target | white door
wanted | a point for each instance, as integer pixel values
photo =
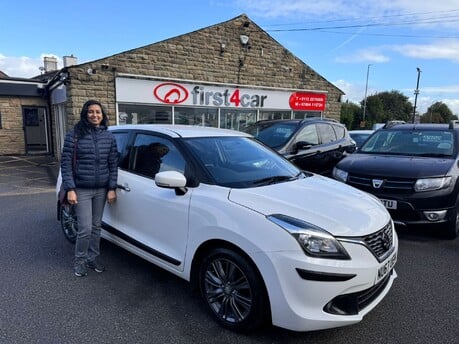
(150, 217)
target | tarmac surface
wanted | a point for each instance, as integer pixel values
(27, 174)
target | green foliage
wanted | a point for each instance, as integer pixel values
(389, 106)
(438, 112)
(351, 115)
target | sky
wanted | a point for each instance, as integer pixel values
(362, 47)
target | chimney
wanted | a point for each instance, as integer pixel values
(50, 63)
(70, 61)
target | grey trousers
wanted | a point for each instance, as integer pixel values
(89, 211)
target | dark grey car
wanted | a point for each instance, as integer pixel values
(313, 144)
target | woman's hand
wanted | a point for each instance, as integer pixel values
(111, 196)
(72, 197)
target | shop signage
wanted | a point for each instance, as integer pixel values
(184, 94)
(304, 101)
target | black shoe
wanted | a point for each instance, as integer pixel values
(97, 267)
(80, 270)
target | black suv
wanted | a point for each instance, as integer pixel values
(313, 144)
(413, 169)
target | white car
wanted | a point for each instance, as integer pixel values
(262, 240)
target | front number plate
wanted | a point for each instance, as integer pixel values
(389, 204)
(386, 267)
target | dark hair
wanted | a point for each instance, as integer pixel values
(83, 126)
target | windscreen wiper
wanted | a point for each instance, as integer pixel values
(273, 180)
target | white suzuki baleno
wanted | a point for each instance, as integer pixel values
(260, 239)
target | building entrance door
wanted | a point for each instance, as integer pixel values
(35, 130)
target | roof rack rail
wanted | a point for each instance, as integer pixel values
(453, 124)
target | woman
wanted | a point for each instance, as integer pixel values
(89, 169)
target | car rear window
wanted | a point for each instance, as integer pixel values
(273, 134)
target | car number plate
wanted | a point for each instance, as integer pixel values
(389, 204)
(386, 267)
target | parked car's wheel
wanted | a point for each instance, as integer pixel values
(233, 290)
(452, 226)
(69, 222)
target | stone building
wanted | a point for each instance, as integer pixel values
(226, 75)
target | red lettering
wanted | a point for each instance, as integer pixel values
(235, 98)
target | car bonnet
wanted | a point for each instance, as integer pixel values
(336, 207)
(395, 165)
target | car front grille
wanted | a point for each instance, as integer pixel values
(381, 242)
(387, 184)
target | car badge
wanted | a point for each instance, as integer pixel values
(385, 241)
(377, 183)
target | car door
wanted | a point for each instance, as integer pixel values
(146, 216)
(304, 149)
(332, 148)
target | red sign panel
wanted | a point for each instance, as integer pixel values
(303, 101)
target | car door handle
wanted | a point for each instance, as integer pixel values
(123, 187)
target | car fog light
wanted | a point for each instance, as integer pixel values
(435, 215)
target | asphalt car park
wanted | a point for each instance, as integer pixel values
(135, 302)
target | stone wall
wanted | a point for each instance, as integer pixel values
(199, 56)
(12, 132)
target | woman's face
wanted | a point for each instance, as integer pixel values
(95, 115)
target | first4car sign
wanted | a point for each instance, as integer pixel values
(174, 93)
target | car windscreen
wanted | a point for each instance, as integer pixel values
(359, 138)
(429, 143)
(241, 162)
(273, 134)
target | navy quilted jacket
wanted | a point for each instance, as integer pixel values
(96, 160)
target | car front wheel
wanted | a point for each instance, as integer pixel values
(233, 290)
(452, 226)
(69, 222)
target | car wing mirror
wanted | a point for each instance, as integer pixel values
(303, 145)
(351, 149)
(171, 180)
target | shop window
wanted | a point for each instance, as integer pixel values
(144, 114)
(265, 115)
(237, 119)
(307, 114)
(207, 117)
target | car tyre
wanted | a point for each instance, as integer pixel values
(452, 226)
(69, 222)
(233, 290)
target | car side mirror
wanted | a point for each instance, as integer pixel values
(302, 145)
(171, 180)
(351, 149)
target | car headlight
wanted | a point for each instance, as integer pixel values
(340, 174)
(429, 184)
(315, 241)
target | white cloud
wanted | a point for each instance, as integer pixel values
(363, 55)
(23, 66)
(448, 50)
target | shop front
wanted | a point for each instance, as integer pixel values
(222, 106)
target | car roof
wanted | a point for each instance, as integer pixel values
(177, 130)
(420, 126)
(362, 131)
(300, 120)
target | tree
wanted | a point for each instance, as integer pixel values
(438, 112)
(389, 106)
(351, 115)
